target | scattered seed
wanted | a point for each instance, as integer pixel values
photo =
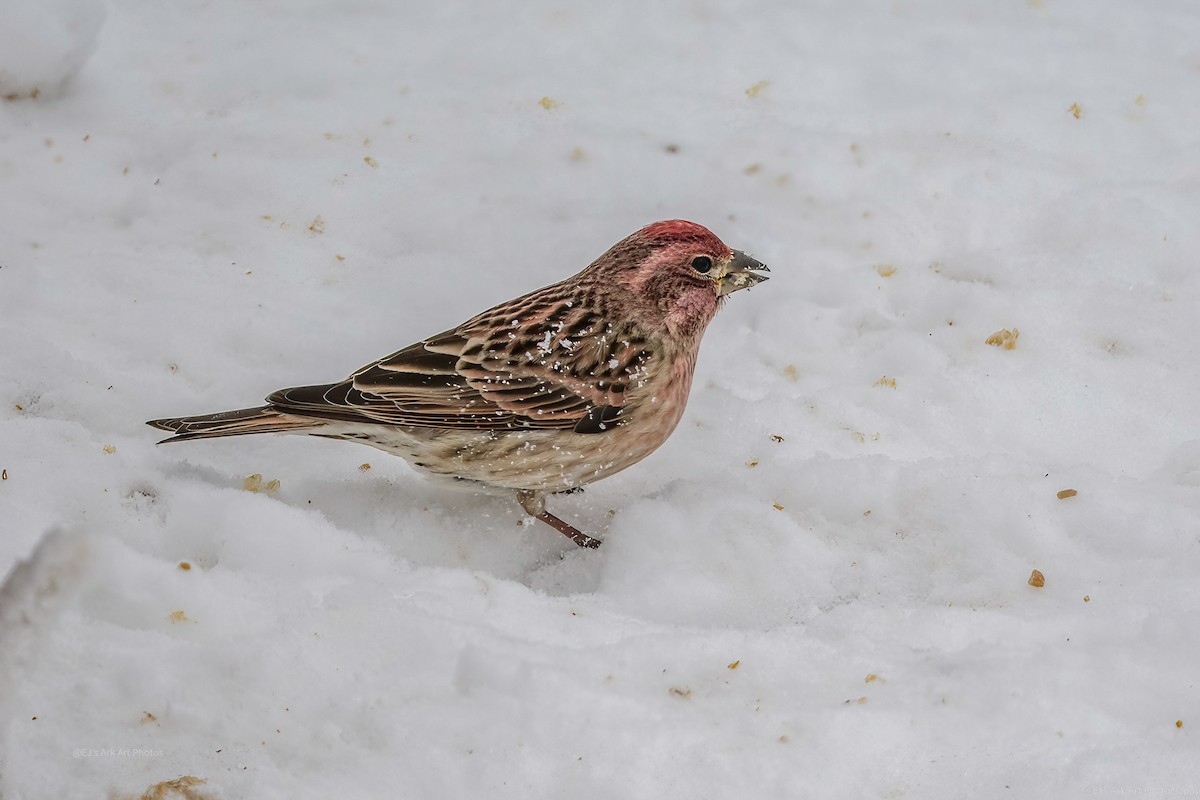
(756, 88)
(1004, 338)
(1036, 579)
(1065, 493)
(735, 664)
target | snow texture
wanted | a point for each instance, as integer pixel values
(44, 43)
(817, 588)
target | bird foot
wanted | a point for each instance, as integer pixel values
(566, 529)
(534, 504)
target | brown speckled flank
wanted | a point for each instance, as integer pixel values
(545, 393)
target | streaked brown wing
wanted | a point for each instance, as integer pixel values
(532, 363)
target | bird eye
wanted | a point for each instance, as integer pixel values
(702, 264)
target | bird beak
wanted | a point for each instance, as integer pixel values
(740, 274)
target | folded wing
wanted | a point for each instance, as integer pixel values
(536, 363)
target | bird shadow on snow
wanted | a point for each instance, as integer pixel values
(427, 524)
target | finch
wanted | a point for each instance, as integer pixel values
(541, 395)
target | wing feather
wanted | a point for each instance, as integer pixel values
(540, 361)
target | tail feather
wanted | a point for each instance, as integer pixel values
(262, 419)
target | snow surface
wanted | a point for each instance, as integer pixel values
(232, 197)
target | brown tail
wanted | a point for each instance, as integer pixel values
(263, 419)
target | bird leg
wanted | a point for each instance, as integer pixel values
(534, 504)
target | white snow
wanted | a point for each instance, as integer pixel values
(44, 44)
(232, 197)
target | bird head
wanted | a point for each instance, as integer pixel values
(678, 273)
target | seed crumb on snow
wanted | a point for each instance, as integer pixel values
(1004, 338)
(886, 381)
(1065, 493)
(1036, 579)
(254, 483)
(182, 788)
(754, 90)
